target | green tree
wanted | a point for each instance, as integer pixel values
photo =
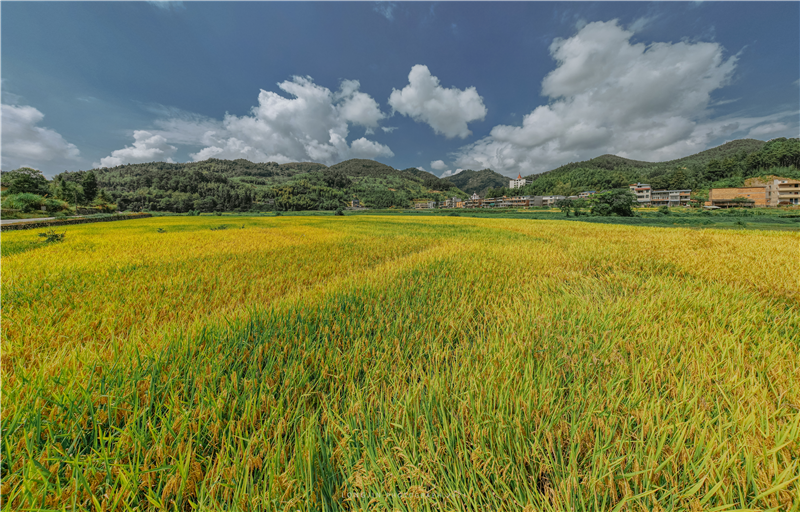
(565, 205)
(89, 184)
(24, 180)
(613, 202)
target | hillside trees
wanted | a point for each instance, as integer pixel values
(24, 180)
(89, 183)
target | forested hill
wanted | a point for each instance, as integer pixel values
(478, 181)
(224, 185)
(723, 166)
(613, 162)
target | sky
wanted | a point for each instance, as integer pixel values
(518, 87)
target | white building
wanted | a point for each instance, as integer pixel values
(518, 183)
(642, 191)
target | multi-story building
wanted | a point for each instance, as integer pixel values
(725, 197)
(424, 203)
(520, 201)
(642, 191)
(473, 202)
(783, 192)
(551, 200)
(670, 197)
(585, 195)
(490, 202)
(519, 182)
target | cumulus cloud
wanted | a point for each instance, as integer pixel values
(450, 173)
(767, 129)
(447, 111)
(439, 165)
(312, 124)
(648, 102)
(25, 144)
(147, 147)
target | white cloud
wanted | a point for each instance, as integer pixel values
(386, 9)
(313, 124)
(439, 165)
(648, 102)
(767, 129)
(450, 173)
(25, 144)
(447, 111)
(388, 129)
(357, 107)
(147, 147)
(310, 125)
(422, 169)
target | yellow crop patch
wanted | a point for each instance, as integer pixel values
(391, 363)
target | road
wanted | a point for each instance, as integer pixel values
(17, 221)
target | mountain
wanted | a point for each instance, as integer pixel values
(613, 162)
(225, 185)
(727, 165)
(477, 181)
(424, 175)
(357, 167)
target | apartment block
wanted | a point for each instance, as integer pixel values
(783, 192)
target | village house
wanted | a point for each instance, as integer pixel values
(670, 197)
(642, 191)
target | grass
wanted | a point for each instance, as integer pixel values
(400, 363)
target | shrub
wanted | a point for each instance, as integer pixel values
(25, 202)
(55, 205)
(663, 209)
(52, 236)
(339, 211)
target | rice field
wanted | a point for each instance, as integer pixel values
(400, 363)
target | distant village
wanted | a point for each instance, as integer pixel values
(773, 192)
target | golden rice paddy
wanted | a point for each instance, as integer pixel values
(390, 363)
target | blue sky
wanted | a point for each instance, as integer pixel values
(520, 87)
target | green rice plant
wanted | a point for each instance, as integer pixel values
(401, 363)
